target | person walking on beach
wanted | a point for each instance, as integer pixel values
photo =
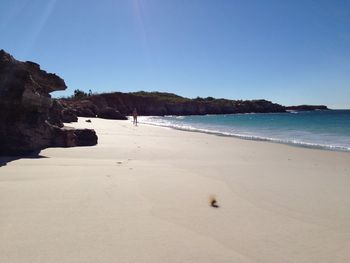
(134, 115)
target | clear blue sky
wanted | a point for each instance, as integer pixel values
(290, 52)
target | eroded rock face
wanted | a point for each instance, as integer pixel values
(29, 118)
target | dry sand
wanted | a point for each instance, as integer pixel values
(142, 195)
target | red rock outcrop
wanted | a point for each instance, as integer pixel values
(30, 120)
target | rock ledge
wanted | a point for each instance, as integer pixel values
(30, 119)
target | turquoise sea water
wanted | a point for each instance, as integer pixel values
(317, 129)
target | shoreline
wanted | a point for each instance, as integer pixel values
(299, 144)
(143, 195)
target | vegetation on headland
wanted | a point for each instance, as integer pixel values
(79, 95)
(165, 96)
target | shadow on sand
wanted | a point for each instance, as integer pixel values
(33, 155)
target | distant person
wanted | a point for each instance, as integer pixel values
(134, 115)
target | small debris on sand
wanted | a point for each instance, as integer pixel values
(213, 202)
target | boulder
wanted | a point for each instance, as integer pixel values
(85, 137)
(110, 113)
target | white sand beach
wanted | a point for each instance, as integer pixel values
(142, 195)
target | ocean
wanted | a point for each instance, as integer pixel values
(313, 129)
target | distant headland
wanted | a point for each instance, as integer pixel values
(306, 108)
(119, 104)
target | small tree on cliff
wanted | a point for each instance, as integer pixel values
(79, 94)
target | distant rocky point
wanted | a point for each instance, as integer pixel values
(306, 108)
(30, 119)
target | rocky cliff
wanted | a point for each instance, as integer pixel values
(29, 119)
(159, 104)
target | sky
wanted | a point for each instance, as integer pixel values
(290, 52)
